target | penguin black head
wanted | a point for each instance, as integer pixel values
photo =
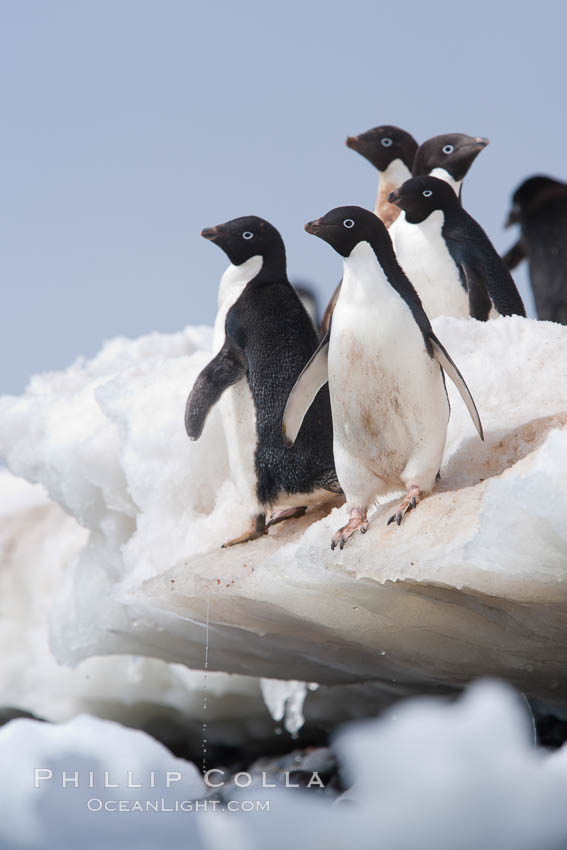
(453, 152)
(383, 145)
(420, 196)
(246, 237)
(344, 227)
(532, 194)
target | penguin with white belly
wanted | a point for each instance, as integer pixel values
(263, 339)
(449, 158)
(391, 151)
(384, 366)
(463, 265)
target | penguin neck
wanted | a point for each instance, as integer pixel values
(444, 175)
(389, 180)
(365, 276)
(273, 267)
(235, 278)
(431, 226)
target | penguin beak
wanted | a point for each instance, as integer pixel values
(513, 217)
(352, 142)
(211, 233)
(394, 196)
(481, 142)
(314, 227)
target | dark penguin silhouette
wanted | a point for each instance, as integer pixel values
(539, 206)
(464, 274)
(264, 338)
(391, 151)
(384, 366)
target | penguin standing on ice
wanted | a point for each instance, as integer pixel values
(392, 152)
(263, 338)
(384, 366)
(539, 206)
(466, 274)
(449, 158)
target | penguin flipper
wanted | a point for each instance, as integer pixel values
(328, 314)
(479, 299)
(447, 364)
(223, 371)
(312, 378)
(514, 255)
(489, 273)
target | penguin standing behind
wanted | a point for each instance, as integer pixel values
(464, 275)
(392, 152)
(447, 157)
(263, 339)
(385, 367)
(539, 206)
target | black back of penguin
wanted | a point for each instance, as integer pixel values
(539, 206)
(270, 330)
(482, 271)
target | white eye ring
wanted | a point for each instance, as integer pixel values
(448, 149)
(386, 142)
(348, 222)
(427, 193)
(247, 235)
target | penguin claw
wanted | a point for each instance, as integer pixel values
(409, 503)
(357, 522)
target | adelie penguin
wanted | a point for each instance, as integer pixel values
(391, 151)
(462, 274)
(263, 338)
(449, 158)
(539, 206)
(384, 366)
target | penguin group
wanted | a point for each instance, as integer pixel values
(358, 410)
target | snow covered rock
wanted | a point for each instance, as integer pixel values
(428, 774)
(77, 785)
(473, 583)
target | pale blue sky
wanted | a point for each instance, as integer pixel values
(127, 126)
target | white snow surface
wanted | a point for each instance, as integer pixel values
(473, 583)
(38, 543)
(428, 774)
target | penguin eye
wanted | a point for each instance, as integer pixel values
(386, 142)
(427, 193)
(448, 149)
(348, 222)
(247, 235)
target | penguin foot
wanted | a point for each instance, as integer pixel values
(410, 502)
(256, 529)
(357, 522)
(285, 513)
